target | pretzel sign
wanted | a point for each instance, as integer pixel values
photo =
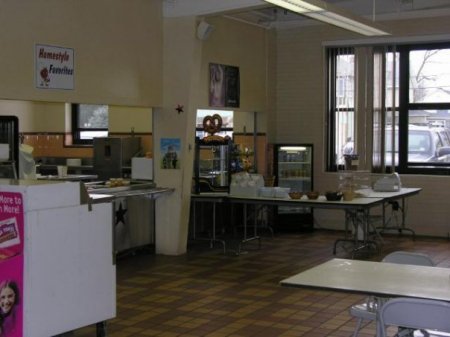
(212, 124)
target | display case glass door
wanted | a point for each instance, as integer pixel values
(294, 169)
(212, 166)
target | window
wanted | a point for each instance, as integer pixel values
(410, 108)
(89, 121)
(227, 122)
(341, 105)
(424, 123)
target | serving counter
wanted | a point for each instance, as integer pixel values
(134, 212)
(56, 246)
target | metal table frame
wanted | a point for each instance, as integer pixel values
(360, 206)
(390, 197)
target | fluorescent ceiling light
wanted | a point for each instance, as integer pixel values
(297, 6)
(322, 11)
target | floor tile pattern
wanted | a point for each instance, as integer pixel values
(212, 294)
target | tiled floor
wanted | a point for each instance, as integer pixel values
(208, 293)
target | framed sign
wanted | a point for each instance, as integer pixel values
(224, 88)
(54, 67)
(170, 150)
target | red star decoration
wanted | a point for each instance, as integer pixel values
(179, 108)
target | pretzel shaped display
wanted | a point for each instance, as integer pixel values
(212, 124)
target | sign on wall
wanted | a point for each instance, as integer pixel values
(54, 67)
(170, 148)
(224, 86)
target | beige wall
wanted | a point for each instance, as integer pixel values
(300, 116)
(128, 119)
(35, 116)
(117, 49)
(244, 46)
(42, 117)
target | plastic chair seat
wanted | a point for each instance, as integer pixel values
(430, 315)
(368, 311)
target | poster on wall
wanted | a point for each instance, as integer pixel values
(170, 148)
(11, 264)
(224, 88)
(54, 67)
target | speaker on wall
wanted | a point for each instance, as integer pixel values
(204, 29)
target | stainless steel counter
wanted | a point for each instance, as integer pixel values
(68, 177)
(134, 211)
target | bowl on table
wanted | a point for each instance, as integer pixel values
(333, 195)
(295, 195)
(312, 195)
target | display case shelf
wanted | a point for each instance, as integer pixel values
(293, 169)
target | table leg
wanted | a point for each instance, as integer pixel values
(101, 329)
(360, 220)
(397, 227)
(213, 237)
(255, 232)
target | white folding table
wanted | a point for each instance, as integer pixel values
(376, 278)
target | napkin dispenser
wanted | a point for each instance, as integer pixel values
(390, 183)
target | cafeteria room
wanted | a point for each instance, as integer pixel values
(224, 168)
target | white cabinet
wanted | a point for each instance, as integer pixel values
(69, 272)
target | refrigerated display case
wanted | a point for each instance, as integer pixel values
(212, 167)
(293, 168)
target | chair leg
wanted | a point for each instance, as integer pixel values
(358, 327)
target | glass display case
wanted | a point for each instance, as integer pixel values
(212, 166)
(293, 168)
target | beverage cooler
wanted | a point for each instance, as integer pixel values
(293, 168)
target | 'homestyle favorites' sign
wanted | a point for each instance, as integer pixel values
(54, 67)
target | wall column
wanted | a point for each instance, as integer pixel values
(181, 75)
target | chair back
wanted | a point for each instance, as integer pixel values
(417, 259)
(414, 313)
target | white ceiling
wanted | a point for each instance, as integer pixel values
(261, 13)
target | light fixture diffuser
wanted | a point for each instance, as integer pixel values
(297, 6)
(322, 11)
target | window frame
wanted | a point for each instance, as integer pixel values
(405, 106)
(402, 110)
(332, 108)
(77, 130)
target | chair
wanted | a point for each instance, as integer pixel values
(367, 311)
(416, 313)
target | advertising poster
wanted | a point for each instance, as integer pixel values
(224, 87)
(54, 67)
(170, 150)
(11, 264)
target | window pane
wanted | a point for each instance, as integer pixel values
(389, 79)
(345, 81)
(429, 76)
(92, 116)
(226, 115)
(428, 132)
(84, 135)
(345, 103)
(391, 139)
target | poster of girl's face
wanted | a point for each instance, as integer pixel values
(224, 87)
